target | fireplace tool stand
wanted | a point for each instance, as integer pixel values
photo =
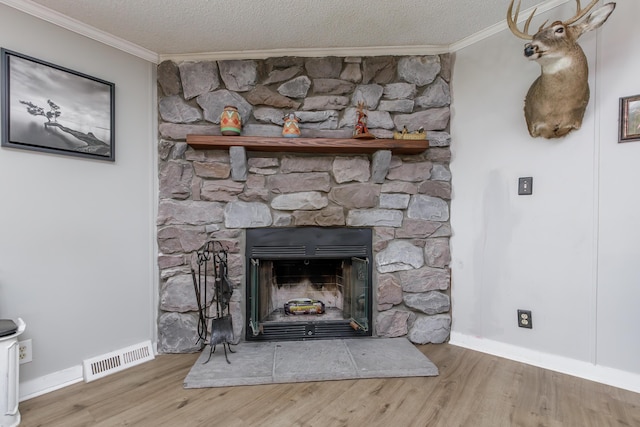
(212, 258)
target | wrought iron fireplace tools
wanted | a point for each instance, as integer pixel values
(212, 259)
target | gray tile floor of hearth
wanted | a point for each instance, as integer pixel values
(301, 361)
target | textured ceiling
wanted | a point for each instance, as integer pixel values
(170, 27)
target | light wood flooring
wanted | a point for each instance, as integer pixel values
(473, 389)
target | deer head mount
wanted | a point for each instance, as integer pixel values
(556, 101)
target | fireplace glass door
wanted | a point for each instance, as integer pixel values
(359, 293)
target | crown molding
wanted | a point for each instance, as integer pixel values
(310, 53)
(49, 15)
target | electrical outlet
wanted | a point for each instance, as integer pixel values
(524, 319)
(25, 354)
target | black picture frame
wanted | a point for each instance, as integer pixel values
(629, 119)
(52, 109)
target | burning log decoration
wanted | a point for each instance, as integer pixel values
(303, 306)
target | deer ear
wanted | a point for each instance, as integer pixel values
(596, 19)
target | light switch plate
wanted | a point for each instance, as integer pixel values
(525, 186)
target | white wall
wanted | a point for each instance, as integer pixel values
(76, 236)
(570, 251)
(618, 336)
(77, 251)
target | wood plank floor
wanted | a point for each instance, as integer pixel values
(473, 389)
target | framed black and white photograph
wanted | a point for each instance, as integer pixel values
(52, 109)
(630, 118)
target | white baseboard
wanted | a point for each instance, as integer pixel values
(577, 368)
(50, 382)
(125, 358)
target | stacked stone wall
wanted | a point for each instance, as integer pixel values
(403, 198)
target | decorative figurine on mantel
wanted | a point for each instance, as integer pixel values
(417, 135)
(291, 128)
(230, 121)
(360, 130)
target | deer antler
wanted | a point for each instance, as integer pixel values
(580, 12)
(512, 21)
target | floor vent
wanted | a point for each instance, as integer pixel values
(106, 364)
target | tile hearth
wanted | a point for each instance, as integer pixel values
(288, 362)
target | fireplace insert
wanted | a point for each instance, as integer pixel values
(308, 283)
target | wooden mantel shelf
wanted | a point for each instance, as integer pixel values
(307, 145)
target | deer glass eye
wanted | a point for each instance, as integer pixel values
(560, 30)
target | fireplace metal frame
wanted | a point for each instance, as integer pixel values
(295, 243)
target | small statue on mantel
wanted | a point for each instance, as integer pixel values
(360, 130)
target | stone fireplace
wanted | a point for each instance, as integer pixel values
(401, 200)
